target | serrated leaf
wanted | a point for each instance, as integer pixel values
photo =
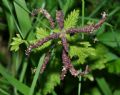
(82, 52)
(53, 79)
(41, 33)
(72, 19)
(16, 43)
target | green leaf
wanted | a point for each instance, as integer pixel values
(16, 43)
(23, 18)
(3, 92)
(89, 76)
(103, 56)
(114, 67)
(53, 79)
(72, 19)
(65, 5)
(36, 75)
(94, 91)
(41, 33)
(14, 82)
(104, 86)
(110, 38)
(9, 18)
(116, 92)
(82, 52)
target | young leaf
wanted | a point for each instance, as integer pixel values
(16, 43)
(72, 19)
(53, 79)
(82, 52)
(41, 33)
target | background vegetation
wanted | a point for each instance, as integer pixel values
(20, 75)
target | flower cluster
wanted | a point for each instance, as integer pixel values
(67, 66)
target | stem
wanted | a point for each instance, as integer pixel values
(79, 84)
(83, 15)
(83, 12)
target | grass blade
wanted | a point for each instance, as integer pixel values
(36, 75)
(23, 18)
(9, 17)
(25, 64)
(18, 85)
(3, 92)
(104, 86)
(101, 4)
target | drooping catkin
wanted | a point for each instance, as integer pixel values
(60, 19)
(46, 14)
(46, 60)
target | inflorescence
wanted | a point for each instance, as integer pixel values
(67, 66)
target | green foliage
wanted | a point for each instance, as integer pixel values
(116, 92)
(72, 19)
(114, 67)
(16, 43)
(23, 18)
(104, 86)
(41, 33)
(94, 91)
(31, 92)
(83, 51)
(65, 5)
(111, 39)
(13, 81)
(9, 18)
(103, 56)
(53, 79)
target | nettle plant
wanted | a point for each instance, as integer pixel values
(66, 34)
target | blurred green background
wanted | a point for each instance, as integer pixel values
(19, 75)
